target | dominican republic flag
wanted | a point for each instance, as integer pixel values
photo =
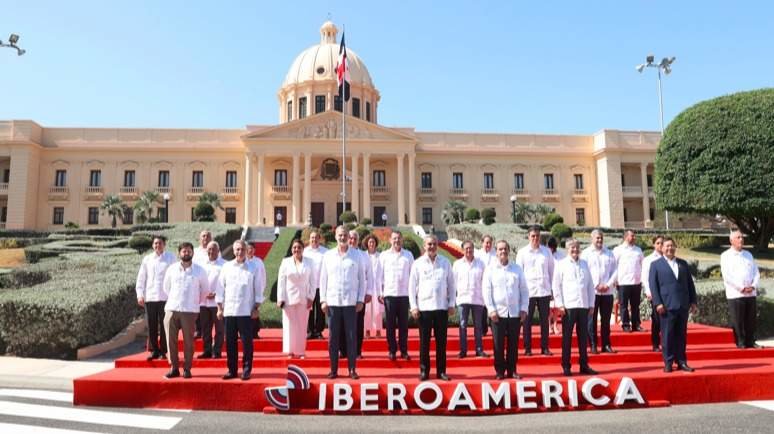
(342, 71)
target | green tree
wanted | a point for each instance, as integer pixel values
(348, 217)
(551, 219)
(453, 212)
(522, 212)
(204, 212)
(213, 199)
(472, 215)
(488, 215)
(561, 231)
(114, 207)
(717, 157)
(540, 211)
(143, 208)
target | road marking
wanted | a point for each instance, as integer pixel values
(31, 429)
(766, 405)
(88, 416)
(46, 395)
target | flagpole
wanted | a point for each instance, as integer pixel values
(344, 128)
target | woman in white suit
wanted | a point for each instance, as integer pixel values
(295, 293)
(374, 309)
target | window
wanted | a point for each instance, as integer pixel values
(193, 214)
(457, 180)
(337, 103)
(4, 214)
(652, 213)
(319, 103)
(290, 111)
(649, 180)
(548, 181)
(60, 180)
(162, 213)
(280, 177)
(518, 181)
(95, 178)
(197, 178)
(426, 180)
(368, 111)
(231, 179)
(93, 215)
(489, 181)
(7, 176)
(578, 181)
(231, 215)
(356, 107)
(427, 216)
(380, 179)
(580, 216)
(128, 216)
(163, 178)
(623, 180)
(302, 107)
(128, 178)
(626, 216)
(58, 215)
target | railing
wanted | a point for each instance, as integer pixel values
(196, 190)
(230, 190)
(579, 192)
(280, 189)
(457, 192)
(164, 190)
(93, 190)
(489, 192)
(520, 192)
(55, 189)
(426, 191)
(550, 192)
(632, 189)
(128, 190)
(3, 186)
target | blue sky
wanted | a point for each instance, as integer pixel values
(474, 66)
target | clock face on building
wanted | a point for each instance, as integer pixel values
(329, 169)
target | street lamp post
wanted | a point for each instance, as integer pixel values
(513, 207)
(166, 207)
(666, 66)
(12, 40)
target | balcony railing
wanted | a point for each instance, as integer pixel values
(195, 190)
(280, 189)
(632, 189)
(426, 194)
(490, 195)
(230, 190)
(94, 192)
(520, 192)
(380, 189)
(550, 194)
(128, 191)
(3, 187)
(457, 192)
(426, 191)
(580, 195)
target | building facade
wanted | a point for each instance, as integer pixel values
(291, 173)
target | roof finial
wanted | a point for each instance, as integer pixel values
(328, 32)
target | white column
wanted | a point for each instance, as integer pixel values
(248, 191)
(367, 185)
(645, 195)
(401, 198)
(307, 188)
(260, 198)
(296, 198)
(355, 192)
(412, 188)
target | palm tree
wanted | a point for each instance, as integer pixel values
(522, 212)
(143, 208)
(212, 199)
(114, 207)
(453, 212)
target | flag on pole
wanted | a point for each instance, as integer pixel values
(342, 71)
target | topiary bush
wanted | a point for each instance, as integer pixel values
(204, 212)
(141, 243)
(412, 246)
(551, 219)
(327, 232)
(472, 215)
(488, 215)
(561, 231)
(348, 217)
(365, 222)
(362, 232)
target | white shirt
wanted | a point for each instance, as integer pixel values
(739, 271)
(213, 278)
(294, 281)
(365, 262)
(241, 287)
(376, 272)
(201, 256)
(673, 265)
(467, 278)
(558, 256)
(602, 267)
(396, 269)
(628, 264)
(431, 284)
(572, 284)
(150, 278)
(505, 290)
(315, 255)
(185, 288)
(538, 267)
(342, 278)
(486, 257)
(646, 263)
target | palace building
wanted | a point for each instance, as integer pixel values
(291, 173)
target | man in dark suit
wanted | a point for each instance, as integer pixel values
(674, 296)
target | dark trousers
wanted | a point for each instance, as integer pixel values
(316, 323)
(342, 318)
(578, 319)
(742, 312)
(629, 305)
(505, 334)
(154, 316)
(256, 327)
(244, 326)
(543, 304)
(360, 324)
(209, 320)
(479, 325)
(674, 327)
(655, 327)
(603, 306)
(435, 322)
(396, 312)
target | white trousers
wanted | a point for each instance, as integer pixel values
(294, 323)
(373, 315)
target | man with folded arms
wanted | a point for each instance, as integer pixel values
(342, 292)
(468, 272)
(208, 314)
(151, 295)
(431, 297)
(537, 263)
(396, 265)
(601, 263)
(242, 283)
(507, 299)
(185, 284)
(574, 297)
(741, 278)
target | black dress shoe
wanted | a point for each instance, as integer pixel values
(684, 367)
(204, 356)
(515, 375)
(216, 355)
(588, 371)
(331, 375)
(461, 355)
(245, 376)
(186, 373)
(594, 350)
(405, 356)
(172, 373)
(423, 376)
(162, 356)
(443, 376)
(499, 377)
(567, 372)
(656, 349)
(639, 329)
(753, 346)
(482, 353)
(229, 376)
(353, 375)
(627, 329)
(153, 355)
(527, 352)
(546, 352)
(667, 368)
(608, 349)
(392, 357)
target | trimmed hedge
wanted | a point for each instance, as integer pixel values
(271, 315)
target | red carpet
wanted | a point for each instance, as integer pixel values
(723, 374)
(262, 248)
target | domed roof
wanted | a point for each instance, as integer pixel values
(318, 62)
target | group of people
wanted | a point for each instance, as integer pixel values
(353, 287)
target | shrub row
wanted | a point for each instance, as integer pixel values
(280, 249)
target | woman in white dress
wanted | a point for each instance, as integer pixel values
(295, 293)
(374, 309)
